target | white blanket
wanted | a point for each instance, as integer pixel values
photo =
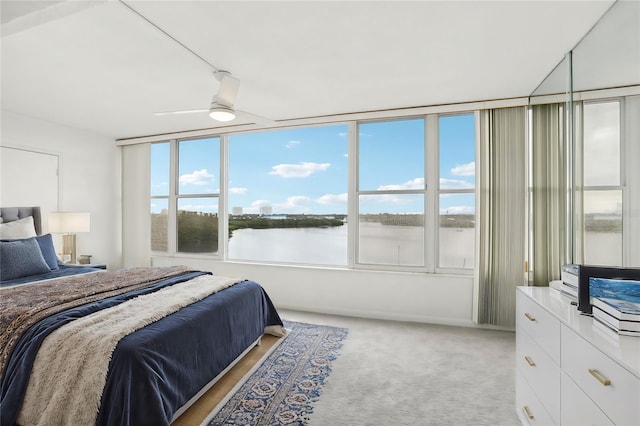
(70, 370)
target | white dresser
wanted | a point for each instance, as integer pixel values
(569, 371)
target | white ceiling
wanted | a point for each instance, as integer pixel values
(99, 66)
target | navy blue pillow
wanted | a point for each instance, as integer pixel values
(45, 242)
(20, 258)
(48, 250)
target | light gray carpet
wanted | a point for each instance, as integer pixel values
(398, 373)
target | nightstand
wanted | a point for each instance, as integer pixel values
(87, 265)
(95, 265)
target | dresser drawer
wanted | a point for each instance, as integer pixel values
(529, 408)
(619, 398)
(577, 408)
(540, 372)
(539, 324)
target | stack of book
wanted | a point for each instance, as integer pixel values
(622, 316)
(570, 275)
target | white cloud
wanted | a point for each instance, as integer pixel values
(343, 134)
(293, 204)
(238, 190)
(261, 203)
(417, 183)
(454, 184)
(468, 169)
(388, 199)
(292, 144)
(333, 199)
(198, 177)
(301, 170)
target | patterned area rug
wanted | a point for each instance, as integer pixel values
(284, 387)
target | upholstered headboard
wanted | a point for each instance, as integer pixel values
(9, 214)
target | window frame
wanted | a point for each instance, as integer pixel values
(174, 195)
(431, 193)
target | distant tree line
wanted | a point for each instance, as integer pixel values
(602, 223)
(301, 221)
(446, 220)
(197, 232)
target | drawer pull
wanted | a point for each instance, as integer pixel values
(529, 361)
(529, 316)
(527, 412)
(599, 378)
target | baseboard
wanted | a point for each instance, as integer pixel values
(379, 315)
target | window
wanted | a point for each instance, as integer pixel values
(288, 195)
(399, 222)
(603, 196)
(197, 199)
(456, 234)
(391, 193)
(193, 193)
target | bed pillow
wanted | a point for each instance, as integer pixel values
(21, 258)
(21, 228)
(47, 248)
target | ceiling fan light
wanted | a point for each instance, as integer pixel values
(222, 113)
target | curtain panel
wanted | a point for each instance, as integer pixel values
(549, 194)
(502, 215)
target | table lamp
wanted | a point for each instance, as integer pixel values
(68, 224)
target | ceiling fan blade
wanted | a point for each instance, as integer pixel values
(255, 118)
(228, 89)
(186, 111)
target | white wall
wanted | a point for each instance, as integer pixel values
(89, 178)
(442, 299)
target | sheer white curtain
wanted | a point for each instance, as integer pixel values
(549, 194)
(502, 214)
(136, 228)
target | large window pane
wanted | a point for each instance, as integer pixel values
(198, 225)
(159, 224)
(391, 155)
(601, 144)
(199, 166)
(391, 229)
(603, 227)
(457, 151)
(456, 234)
(457, 231)
(288, 195)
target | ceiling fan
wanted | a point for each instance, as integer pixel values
(222, 105)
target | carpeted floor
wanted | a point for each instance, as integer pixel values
(400, 373)
(283, 388)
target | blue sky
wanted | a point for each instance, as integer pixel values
(305, 170)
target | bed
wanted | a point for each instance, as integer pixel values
(126, 347)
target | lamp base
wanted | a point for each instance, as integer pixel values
(69, 246)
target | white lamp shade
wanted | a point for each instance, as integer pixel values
(69, 222)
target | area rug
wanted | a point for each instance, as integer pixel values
(283, 388)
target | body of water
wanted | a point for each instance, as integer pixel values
(387, 245)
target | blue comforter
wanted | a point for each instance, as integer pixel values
(62, 271)
(157, 369)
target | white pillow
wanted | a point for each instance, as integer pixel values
(18, 229)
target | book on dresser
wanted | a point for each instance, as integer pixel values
(627, 327)
(618, 308)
